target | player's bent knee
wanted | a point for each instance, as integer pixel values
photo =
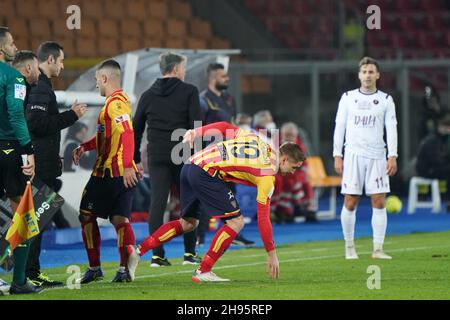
(236, 223)
(189, 224)
(115, 220)
(85, 216)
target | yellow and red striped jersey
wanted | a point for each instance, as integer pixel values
(113, 143)
(245, 159)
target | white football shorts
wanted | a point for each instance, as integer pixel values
(359, 172)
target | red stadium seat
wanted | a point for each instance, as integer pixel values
(93, 9)
(426, 40)
(7, 9)
(26, 9)
(154, 28)
(68, 45)
(18, 27)
(152, 43)
(88, 28)
(174, 43)
(130, 28)
(137, 9)
(158, 9)
(181, 10)
(130, 44)
(301, 7)
(50, 10)
(108, 28)
(430, 5)
(114, 9)
(196, 43)
(219, 43)
(200, 28)
(176, 27)
(434, 21)
(108, 47)
(299, 27)
(86, 47)
(40, 27)
(275, 8)
(406, 22)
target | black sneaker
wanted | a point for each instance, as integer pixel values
(92, 275)
(191, 259)
(122, 277)
(26, 288)
(159, 262)
(241, 241)
(43, 280)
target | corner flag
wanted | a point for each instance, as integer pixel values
(24, 225)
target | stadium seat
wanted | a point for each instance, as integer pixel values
(35, 42)
(149, 42)
(158, 9)
(430, 5)
(93, 9)
(18, 27)
(413, 196)
(108, 47)
(196, 43)
(25, 9)
(200, 28)
(68, 45)
(137, 9)
(261, 85)
(319, 179)
(40, 27)
(130, 44)
(154, 28)
(246, 85)
(22, 43)
(88, 28)
(50, 10)
(86, 47)
(59, 29)
(115, 9)
(176, 27)
(181, 10)
(131, 29)
(108, 28)
(174, 43)
(219, 43)
(8, 9)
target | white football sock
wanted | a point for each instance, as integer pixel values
(379, 225)
(348, 219)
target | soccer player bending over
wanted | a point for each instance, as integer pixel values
(245, 159)
(109, 191)
(362, 116)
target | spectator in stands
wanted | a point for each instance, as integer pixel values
(433, 159)
(244, 121)
(263, 123)
(432, 111)
(168, 105)
(76, 134)
(217, 105)
(353, 33)
(293, 195)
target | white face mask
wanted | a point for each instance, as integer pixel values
(271, 126)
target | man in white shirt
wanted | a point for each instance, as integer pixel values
(362, 116)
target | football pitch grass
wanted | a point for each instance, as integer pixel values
(420, 269)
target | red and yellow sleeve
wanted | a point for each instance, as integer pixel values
(122, 128)
(224, 128)
(265, 187)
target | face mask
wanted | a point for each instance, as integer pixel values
(271, 126)
(245, 127)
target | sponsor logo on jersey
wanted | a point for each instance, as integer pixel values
(36, 107)
(101, 128)
(122, 118)
(365, 121)
(20, 91)
(364, 105)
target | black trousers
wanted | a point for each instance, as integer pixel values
(163, 174)
(33, 264)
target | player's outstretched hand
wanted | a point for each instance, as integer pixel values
(189, 137)
(76, 155)
(273, 266)
(129, 178)
(391, 167)
(338, 165)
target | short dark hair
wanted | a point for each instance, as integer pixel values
(293, 151)
(169, 60)
(214, 67)
(368, 60)
(3, 32)
(47, 49)
(110, 63)
(23, 56)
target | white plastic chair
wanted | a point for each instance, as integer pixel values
(413, 196)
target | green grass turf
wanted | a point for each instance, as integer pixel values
(420, 269)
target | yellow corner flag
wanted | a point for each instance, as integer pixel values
(24, 225)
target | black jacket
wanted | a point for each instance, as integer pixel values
(168, 105)
(45, 124)
(433, 159)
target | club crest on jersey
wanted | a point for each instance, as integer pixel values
(123, 118)
(376, 102)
